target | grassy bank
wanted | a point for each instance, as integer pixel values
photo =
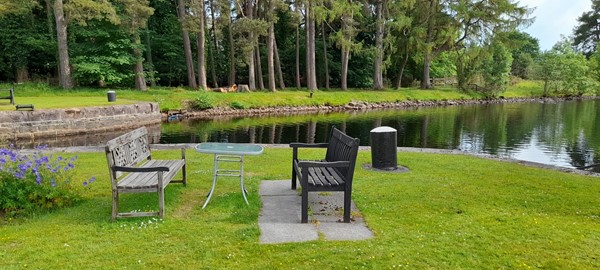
(448, 212)
(44, 97)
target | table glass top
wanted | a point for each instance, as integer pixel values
(230, 148)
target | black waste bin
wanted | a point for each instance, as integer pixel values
(384, 148)
(112, 96)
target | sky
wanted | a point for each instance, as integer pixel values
(554, 18)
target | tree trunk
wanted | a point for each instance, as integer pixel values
(65, 79)
(377, 67)
(231, 78)
(401, 73)
(345, 58)
(271, 52)
(149, 61)
(310, 48)
(278, 65)
(213, 49)
(201, 40)
(187, 47)
(251, 71)
(140, 79)
(22, 74)
(425, 82)
(259, 73)
(325, 59)
(298, 84)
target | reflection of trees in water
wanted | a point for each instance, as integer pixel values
(495, 129)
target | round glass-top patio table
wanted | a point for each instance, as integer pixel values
(228, 152)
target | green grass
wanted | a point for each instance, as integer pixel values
(448, 212)
(45, 97)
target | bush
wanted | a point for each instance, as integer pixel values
(202, 102)
(237, 105)
(34, 182)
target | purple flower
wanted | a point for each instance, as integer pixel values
(85, 183)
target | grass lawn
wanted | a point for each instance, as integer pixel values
(448, 212)
(44, 97)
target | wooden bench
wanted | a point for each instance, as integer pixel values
(10, 94)
(132, 170)
(334, 173)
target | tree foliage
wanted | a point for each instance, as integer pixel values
(345, 43)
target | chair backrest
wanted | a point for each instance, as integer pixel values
(342, 148)
(128, 149)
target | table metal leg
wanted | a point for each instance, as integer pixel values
(212, 189)
(217, 172)
(244, 191)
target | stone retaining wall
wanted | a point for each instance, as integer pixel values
(30, 125)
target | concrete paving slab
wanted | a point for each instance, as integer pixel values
(274, 233)
(276, 188)
(279, 219)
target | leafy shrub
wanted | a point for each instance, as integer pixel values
(202, 102)
(237, 105)
(35, 182)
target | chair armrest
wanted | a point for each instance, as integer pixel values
(140, 169)
(308, 145)
(332, 164)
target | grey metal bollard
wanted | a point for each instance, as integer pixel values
(384, 148)
(112, 96)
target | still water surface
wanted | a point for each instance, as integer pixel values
(563, 134)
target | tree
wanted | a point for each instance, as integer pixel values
(379, 32)
(79, 11)
(564, 70)
(346, 11)
(311, 73)
(496, 69)
(271, 45)
(135, 17)
(450, 24)
(187, 47)
(524, 49)
(587, 33)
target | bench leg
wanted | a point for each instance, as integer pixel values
(347, 200)
(184, 171)
(293, 176)
(304, 211)
(115, 205)
(161, 203)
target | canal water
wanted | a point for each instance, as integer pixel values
(563, 134)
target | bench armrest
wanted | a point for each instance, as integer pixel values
(332, 164)
(140, 169)
(308, 145)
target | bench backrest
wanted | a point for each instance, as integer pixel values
(128, 149)
(342, 148)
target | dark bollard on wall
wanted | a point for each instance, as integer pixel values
(384, 148)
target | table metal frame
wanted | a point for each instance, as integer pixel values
(228, 152)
